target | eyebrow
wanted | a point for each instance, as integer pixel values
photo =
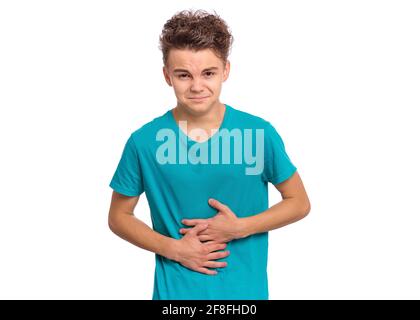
(207, 69)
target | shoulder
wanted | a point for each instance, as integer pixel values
(252, 121)
(147, 132)
(248, 120)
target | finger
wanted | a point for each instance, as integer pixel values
(217, 255)
(213, 264)
(210, 242)
(204, 232)
(214, 241)
(204, 237)
(199, 227)
(192, 222)
(207, 271)
(184, 230)
(216, 246)
(218, 205)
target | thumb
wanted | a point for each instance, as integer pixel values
(218, 205)
(197, 229)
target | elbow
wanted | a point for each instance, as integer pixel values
(305, 209)
(112, 225)
(117, 220)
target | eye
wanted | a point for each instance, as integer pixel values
(209, 73)
(183, 75)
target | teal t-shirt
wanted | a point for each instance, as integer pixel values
(179, 175)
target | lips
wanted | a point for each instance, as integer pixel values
(199, 99)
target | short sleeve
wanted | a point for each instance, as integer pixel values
(277, 165)
(127, 178)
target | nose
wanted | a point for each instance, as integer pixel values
(196, 85)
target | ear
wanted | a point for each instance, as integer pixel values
(166, 75)
(226, 71)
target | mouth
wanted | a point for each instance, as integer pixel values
(198, 98)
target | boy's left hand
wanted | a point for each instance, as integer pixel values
(225, 226)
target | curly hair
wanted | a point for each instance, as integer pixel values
(196, 30)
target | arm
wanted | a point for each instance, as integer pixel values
(294, 206)
(123, 223)
(226, 226)
(188, 251)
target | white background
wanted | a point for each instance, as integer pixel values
(340, 81)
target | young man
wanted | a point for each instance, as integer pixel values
(204, 167)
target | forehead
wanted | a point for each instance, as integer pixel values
(194, 61)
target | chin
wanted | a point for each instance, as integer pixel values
(199, 107)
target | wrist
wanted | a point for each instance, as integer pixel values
(243, 228)
(171, 249)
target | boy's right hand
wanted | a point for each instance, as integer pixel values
(197, 255)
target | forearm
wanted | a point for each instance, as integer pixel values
(135, 231)
(281, 214)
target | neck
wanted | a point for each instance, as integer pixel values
(208, 121)
(211, 119)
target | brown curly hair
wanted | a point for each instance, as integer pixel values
(196, 30)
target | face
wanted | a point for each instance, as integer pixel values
(196, 77)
